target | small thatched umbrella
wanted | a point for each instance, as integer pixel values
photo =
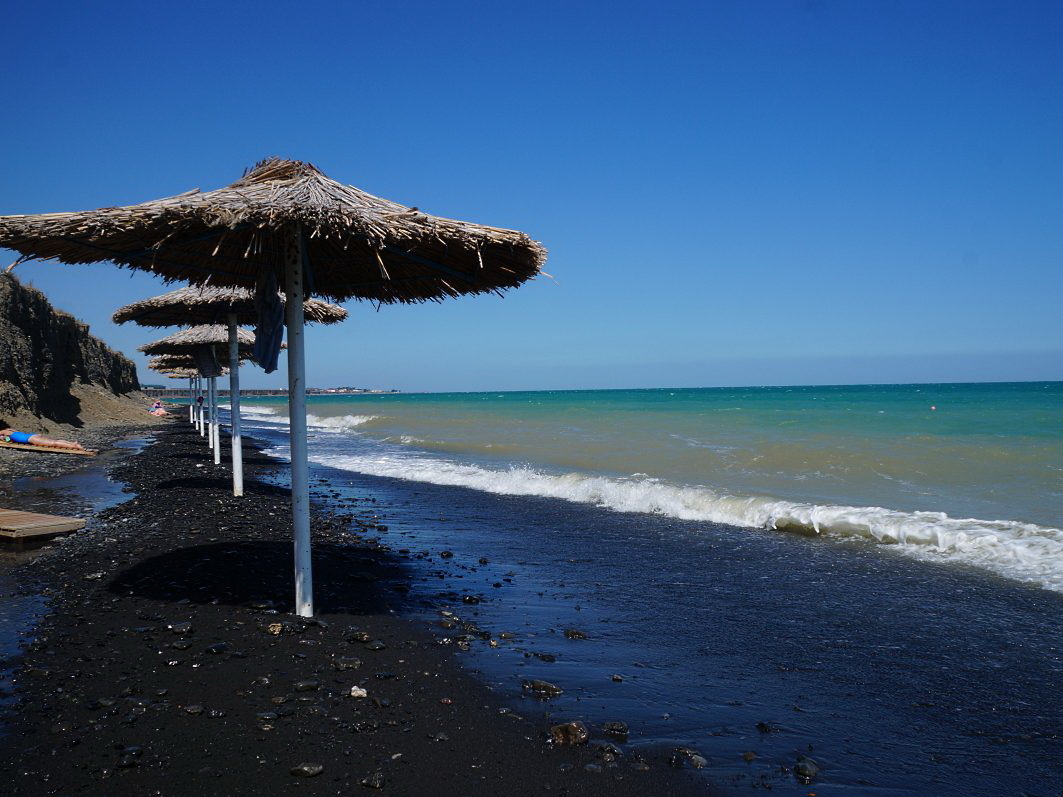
(177, 366)
(174, 367)
(204, 304)
(209, 338)
(213, 336)
(286, 223)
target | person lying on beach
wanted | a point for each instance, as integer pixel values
(157, 409)
(9, 435)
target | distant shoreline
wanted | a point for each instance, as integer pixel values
(182, 392)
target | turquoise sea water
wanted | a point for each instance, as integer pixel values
(965, 472)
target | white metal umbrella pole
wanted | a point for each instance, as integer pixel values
(293, 310)
(209, 411)
(202, 407)
(215, 426)
(191, 399)
(234, 408)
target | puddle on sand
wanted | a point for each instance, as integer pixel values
(81, 492)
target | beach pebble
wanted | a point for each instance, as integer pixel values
(617, 729)
(618, 678)
(541, 687)
(346, 663)
(357, 691)
(574, 633)
(569, 733)
(375, 645)
(805, 769)
(309, 685)
(358, 636)
(194, 709)
(218, 647)
(688, 754)
(307, 770)
(181, 629)
(374, 781)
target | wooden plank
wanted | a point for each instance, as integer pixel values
(16, 525)
(49, 449)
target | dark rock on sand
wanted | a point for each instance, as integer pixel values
(307, 770)
(542, 688)
(376, 780)
(805, 770)
(569, 733)
(617, 729)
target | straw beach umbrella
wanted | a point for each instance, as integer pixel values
(285, 223)
(203, 304)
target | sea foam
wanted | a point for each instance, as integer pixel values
(1023, 551)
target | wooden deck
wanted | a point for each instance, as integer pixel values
(16, 526)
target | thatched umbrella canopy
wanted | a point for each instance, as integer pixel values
(165, 363)
(204, 304)
(358, 245)
(186, 340)
(285, 223)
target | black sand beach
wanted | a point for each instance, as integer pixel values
(167, 662)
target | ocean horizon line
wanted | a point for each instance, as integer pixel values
(273, 392)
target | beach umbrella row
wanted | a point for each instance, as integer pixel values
(207, 304)
(207, 340)
(185, 366)
(286, 225)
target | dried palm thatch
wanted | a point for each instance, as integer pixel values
(203, 335)
(209, 305)
(181, 372)
(356, 244)
(168, 362)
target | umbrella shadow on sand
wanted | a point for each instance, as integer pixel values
(246, 572)
(219, 484)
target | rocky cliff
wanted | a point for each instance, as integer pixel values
(53, 373)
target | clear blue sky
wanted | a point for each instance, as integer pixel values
(731, 192)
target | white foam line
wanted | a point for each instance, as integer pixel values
(1023, 551)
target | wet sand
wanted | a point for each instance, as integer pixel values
(168, 662)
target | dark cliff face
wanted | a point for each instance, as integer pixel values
(47, 357)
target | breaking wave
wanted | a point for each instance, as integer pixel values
(1023, 551)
